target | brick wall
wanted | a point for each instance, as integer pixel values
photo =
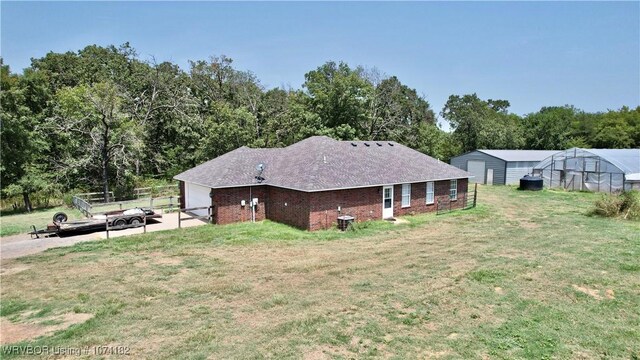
(419, 197)
(227, 206)
(442, 193)
(364, 204)
(319, 210)
(418, 200)
(288, 207)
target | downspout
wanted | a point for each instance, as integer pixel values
(253, 210)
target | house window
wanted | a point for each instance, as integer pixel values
(430, 193)
(406, 195)
(453, 190)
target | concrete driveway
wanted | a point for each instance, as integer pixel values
(20, 245)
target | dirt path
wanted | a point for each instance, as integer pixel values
(15, 246)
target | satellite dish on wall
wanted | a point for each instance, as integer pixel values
(260, 167)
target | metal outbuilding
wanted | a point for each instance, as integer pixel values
(606, 170)
(500, 167)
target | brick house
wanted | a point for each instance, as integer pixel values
(312, 182)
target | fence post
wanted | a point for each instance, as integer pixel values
(106, 225)
(145, 223)
(171, 204)
(179, 219)
(151, 203)
(475, 195)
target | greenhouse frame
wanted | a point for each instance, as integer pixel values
(605, 170)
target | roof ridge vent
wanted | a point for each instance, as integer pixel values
(378, 144)
(354, 144)
(367, 144)
(390, 144)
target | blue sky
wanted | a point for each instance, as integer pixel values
(532, 54)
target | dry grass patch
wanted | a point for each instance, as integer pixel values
(9, 268)
(12, 332)
(595, 293)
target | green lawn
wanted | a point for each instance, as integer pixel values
(524, 275)
(21, 223)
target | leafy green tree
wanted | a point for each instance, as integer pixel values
(167, 111)
(617, 129)
(340, 96)
(227, 129)
(582, 129)
(398, 112)
(436, 143)
(565, 127)
(550, 128)
(480, 124)
(62, 70)
(103, 136)
(612, 131)
(212, 80)
(117, 65)
(90, 65)
(23, 100)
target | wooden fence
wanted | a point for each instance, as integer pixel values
(189, 211)
(138, 193)
(94, 197)
(147, 192)
(151, 203)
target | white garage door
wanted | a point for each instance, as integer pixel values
(197, 196)
(476, 167)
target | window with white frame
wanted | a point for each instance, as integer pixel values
(453, 190)
(406, 195)
(430, 193)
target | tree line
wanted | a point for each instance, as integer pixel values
(103, 119)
